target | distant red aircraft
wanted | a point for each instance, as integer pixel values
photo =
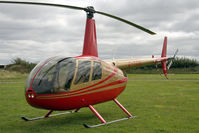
(67, 83)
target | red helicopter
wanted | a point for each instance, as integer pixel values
(71, 83)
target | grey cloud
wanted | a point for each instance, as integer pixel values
(34, 32)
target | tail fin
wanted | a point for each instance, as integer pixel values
(164, 48)
(164, 54)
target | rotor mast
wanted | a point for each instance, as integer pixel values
(90, 38)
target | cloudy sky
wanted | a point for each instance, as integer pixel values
(35, 33)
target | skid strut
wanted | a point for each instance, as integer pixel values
(47, 115)
(102, 119)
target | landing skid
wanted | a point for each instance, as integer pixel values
(106, 123)
(102, 119)
(92, 109)
(47, 115)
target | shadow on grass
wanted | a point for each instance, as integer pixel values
(70, 122)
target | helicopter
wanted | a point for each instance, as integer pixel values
(71, 83)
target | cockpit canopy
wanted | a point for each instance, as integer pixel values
(55, 75)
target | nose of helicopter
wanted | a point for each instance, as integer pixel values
(31, 97)
(30, 94)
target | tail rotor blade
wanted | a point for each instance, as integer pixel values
(170, 63)
(175, 54)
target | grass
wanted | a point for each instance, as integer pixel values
(161, 106)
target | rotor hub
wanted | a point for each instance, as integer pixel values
(90, 11)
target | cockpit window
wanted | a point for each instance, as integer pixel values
(55, 76)
(35, 70)
(97, 70)
(83, 72)
(66, 73)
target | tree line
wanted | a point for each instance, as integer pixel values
(20, 65)
(184, 62)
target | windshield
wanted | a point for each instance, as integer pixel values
(53, 75)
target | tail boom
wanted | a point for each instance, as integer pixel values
(129, 63)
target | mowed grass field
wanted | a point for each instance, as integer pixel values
(161, 106)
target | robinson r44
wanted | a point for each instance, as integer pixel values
(71, 83)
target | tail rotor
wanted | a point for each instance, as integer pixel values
(171, 62)
(164, 58)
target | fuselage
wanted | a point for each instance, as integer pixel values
(65, 83)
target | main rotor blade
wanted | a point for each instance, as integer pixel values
(81, 8)
(44, 4)
(127, 22)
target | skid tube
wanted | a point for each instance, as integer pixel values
(48, 115)
(102, 119)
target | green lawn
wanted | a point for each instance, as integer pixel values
(160, 106)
